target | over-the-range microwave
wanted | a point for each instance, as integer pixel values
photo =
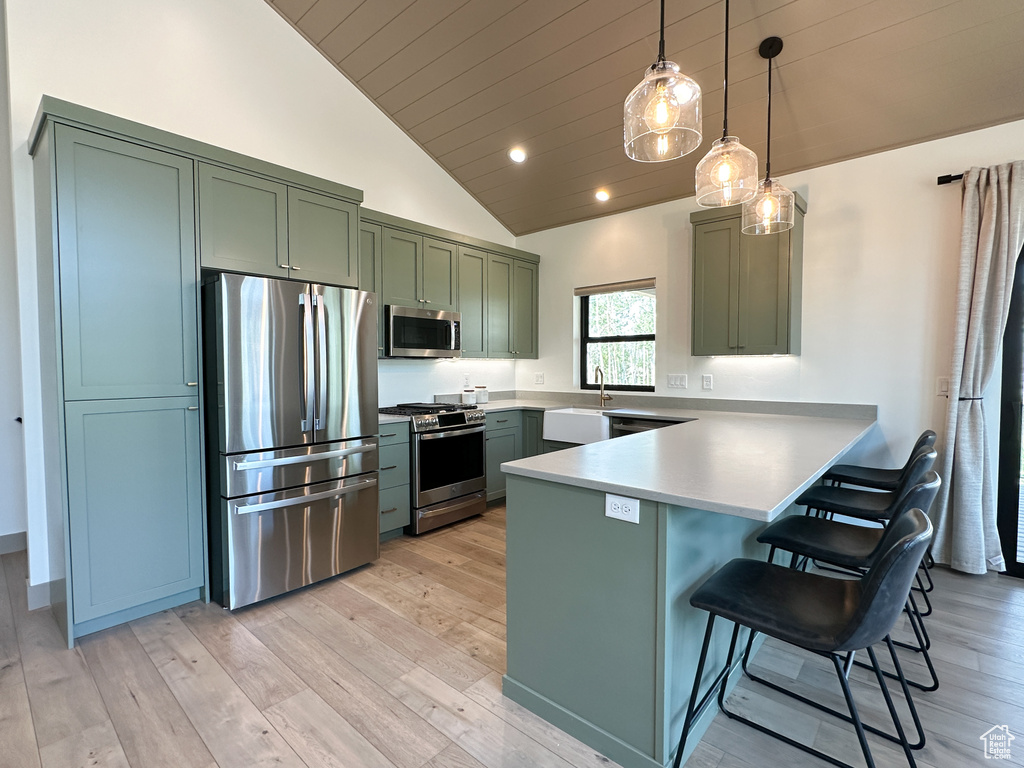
(412, 332)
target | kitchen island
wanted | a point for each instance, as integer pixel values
(602, 641)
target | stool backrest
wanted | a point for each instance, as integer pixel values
(921, 496)
(914, 473)
(924, 444)
(885, 587)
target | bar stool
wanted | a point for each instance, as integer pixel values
(874, 477)
(854, 548)
(828, 616)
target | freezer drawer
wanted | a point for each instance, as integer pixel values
(277, 542)
(244, 474)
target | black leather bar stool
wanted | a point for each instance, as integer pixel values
(875, 477)
(828, 616)
(855, 548)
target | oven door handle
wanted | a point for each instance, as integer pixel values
(450, 433)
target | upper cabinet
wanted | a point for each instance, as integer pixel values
(511, 308)
(127, 269)
(370, 250)
(473, 301)
(418, 271)
(746, 288)
(257, 226)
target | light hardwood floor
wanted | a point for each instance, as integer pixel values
(398, 665)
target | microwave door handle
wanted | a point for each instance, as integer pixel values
(306, 382)
(449, 336)
(320, 310)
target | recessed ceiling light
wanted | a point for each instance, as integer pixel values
(517, 154)
(602, 195)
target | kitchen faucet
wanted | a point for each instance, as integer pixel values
(598, 373)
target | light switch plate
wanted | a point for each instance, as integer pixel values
(677, 380)
(942, 386)
(622, 508)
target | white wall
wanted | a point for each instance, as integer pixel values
(881, 250)
(12, 451)
(231, 73)
(415, 381)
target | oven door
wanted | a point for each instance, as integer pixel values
(447, 464)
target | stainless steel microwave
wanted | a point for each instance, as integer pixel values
(411, 332)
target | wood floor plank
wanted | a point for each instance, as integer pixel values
(390, 571)
(95, 747)
(477, 644)
(451, 665)
(491, 627)
(482, 591)
(488, 526)
(396, 732)
(484, 572)
(431, 618)
(64, 699)
(152, 728)
(252, 616)
(454, 757)
(261, 675)
(437, 553)
(482, 734)
(322, 737)
(19, 737)
(475, 535)
(456, 603)
(234, 730)
(378, 661)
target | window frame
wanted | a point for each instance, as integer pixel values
(586, 339)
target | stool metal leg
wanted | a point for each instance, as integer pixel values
(693, 709)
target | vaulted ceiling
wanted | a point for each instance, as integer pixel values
(468, 79)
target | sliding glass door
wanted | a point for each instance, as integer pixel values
(1011, 447)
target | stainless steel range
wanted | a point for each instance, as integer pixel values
(448, 468)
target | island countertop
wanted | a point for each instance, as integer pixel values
(745, 464)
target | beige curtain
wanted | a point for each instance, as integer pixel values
(991, 238)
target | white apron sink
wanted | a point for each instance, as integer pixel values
(576, 425)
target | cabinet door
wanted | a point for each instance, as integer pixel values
(524, 309)
(243, 222)
(370, 250)
(440, 274)
(401, 277)
(126, 245)
(499, 306)
(134, 502)
(533, 433)
(322, 239)
(716, 249)
(764, 295)
(502, 445)
(473, 301)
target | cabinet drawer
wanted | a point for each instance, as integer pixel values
(394, 508)
(505, 420)
(396, 432)
(394, 465)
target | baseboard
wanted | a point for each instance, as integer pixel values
(13, 542)
(38, 595)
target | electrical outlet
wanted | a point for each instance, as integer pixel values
(622, 508)
(677, 380)
(465, 380)
(538, 378)
(942, 386)
(707, 381)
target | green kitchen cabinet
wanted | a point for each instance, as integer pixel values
(127, 269)
(472, 295)
(395, 499)
(525, 308)
(243, 222)
(135, 503)
(370, 250)
(500, 278)
(533, 433)
(323, 234)
(746, 288)
(504, 443)
(418, 271)
(258, 226)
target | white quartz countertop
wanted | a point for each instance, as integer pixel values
(746, 464)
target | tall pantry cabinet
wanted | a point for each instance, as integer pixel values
(118, 278)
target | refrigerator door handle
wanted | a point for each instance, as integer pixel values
(320, 309)
(304, 458)
(306, 388)
(297, 501)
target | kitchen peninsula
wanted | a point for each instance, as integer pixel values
(602, 641)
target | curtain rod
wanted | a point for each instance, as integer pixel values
(950, 178)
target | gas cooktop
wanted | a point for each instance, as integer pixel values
(419, 409)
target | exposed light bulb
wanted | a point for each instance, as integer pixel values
(602, 195)
(766, 209)
(517, 154)
(662, 111)
(662, 144)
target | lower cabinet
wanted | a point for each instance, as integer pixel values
(395, 490)
(533, 433)
(135, 504)
(504, 443)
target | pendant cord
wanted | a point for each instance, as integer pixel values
(661, 44)
(725, 98)
(768, 150)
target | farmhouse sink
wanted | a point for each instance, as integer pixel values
(576, 425)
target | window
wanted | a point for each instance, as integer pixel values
(617, 334)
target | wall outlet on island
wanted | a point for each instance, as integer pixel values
(538, 378)
(622, 508)
(677, 380)
(707, 381)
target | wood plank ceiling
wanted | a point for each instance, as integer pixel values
(468, 79)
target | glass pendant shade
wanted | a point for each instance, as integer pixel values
(771, 210)
(662, 116)
(727, 175)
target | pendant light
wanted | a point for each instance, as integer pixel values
(772, 208)
(661, 117)
(728, 173)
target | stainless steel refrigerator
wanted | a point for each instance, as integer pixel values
(291, 387)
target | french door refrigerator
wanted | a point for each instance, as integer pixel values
(291, 387)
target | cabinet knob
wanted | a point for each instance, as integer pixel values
(193, 408)
(283, 266)
(191, 383)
